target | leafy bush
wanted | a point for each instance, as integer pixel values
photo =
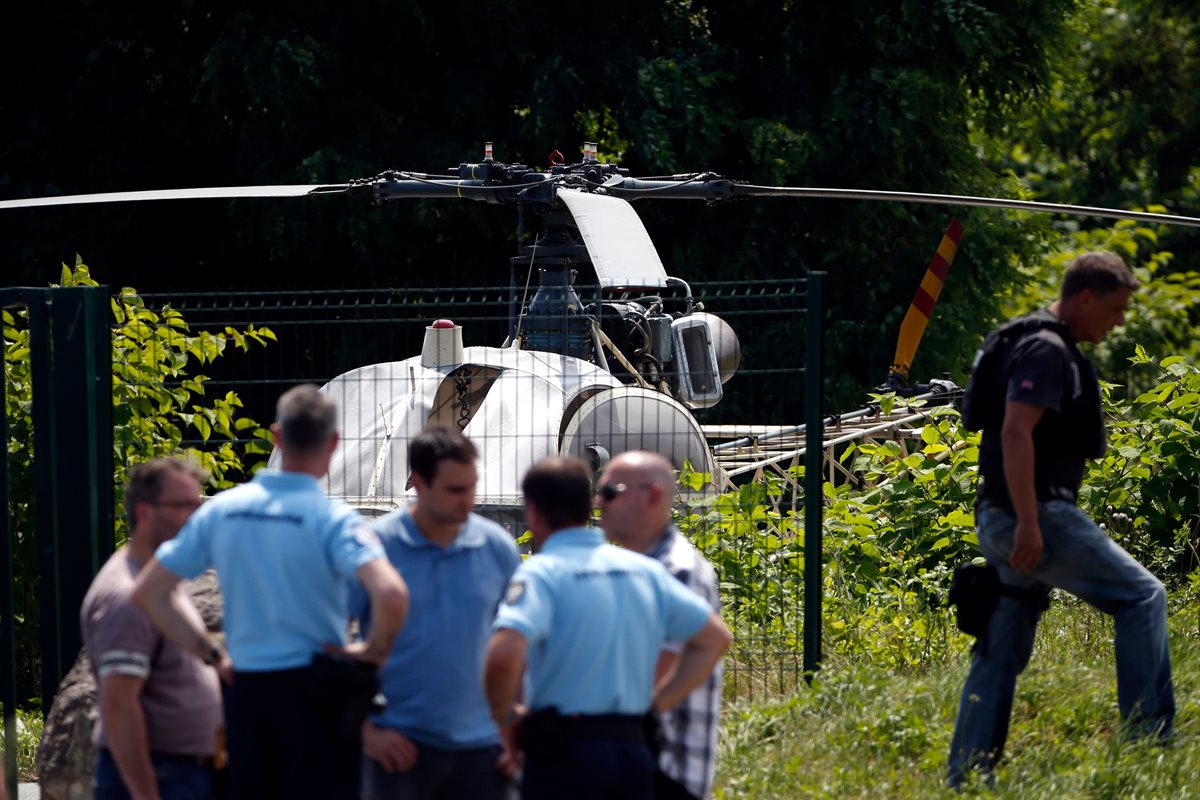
(1163, 314)
(155, 399)
(894, 532)
(1147, 488)
(891, 538)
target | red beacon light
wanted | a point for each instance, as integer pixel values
(443, 345)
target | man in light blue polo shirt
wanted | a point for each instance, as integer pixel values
(590, 620)
(283, 552)
(436, 739)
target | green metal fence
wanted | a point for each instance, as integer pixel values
(70, 359)
(322, 335)
(326, 334)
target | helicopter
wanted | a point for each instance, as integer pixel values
(591, 379)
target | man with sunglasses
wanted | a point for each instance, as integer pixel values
(160, 707)
(635, 495)
(590, 620)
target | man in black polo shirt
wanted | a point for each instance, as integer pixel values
(1031, 465)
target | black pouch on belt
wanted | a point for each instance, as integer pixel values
(352, 685)
(543, 731)
(975, 592)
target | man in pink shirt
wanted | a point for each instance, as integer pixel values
(160, 707)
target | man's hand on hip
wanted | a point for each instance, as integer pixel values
(394, 751)
(1027, 547)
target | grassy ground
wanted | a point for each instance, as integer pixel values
(29, 733)
(860, 732)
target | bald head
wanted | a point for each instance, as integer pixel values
(636, 508)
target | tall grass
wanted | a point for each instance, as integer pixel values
(864, 731)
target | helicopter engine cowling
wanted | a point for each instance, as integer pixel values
(616, 420)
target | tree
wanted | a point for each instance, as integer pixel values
(1120, 123)
(902, 96)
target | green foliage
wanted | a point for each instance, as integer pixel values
(29, 736)
(891, 538)
(1118, 122)
(157, 396)
(867, 730)
(1163, 314)
(1146, 487)
(902, 517)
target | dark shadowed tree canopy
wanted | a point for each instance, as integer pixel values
(902, 95)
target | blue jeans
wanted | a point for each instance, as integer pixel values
(439, 774)
(178, 778)
(1079, 558)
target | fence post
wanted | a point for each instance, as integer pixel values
(41, 362)
(814, 394)
(8, 684)
(71, 354)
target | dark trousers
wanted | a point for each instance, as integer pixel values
(595, 769)
(667, 788)
(286, 739)
(438, 775)
(179, 778)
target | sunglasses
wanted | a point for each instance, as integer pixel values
(611, 491)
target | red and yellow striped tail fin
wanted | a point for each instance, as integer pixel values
(913, 327)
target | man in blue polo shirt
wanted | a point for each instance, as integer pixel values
(436, 739)
(590, 619)
(283, 551)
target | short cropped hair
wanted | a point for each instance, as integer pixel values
(145, 482)
(561, 488)
(1103, 273)
(307, 418)
(435, 445)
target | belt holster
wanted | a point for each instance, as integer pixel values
(351, 689)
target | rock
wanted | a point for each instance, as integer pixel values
(66, 757)
(206, 594)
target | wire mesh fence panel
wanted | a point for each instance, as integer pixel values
(594, 373)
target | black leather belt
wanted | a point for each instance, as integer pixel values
(1044, 494)
(550, 725)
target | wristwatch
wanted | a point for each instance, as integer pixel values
(514, 713)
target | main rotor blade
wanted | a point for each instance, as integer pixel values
(176, 194)
(747, 190)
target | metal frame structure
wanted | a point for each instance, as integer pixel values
(752, 450)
